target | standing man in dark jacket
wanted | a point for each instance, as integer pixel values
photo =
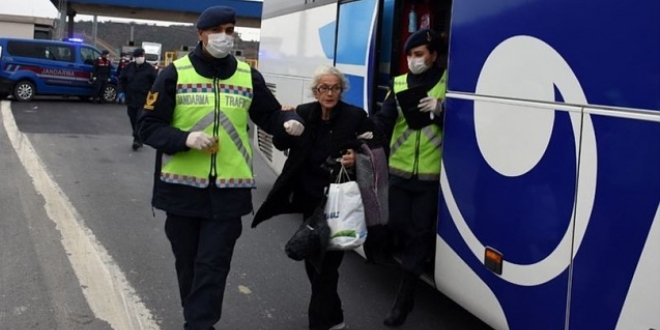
(414, 164)
(196, 117)
(135, 81)
(101, 76)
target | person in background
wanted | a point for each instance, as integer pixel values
(135, 81)
(414, 163)
(123, 62)
(196, 116)
(101, 76)
(332, 132)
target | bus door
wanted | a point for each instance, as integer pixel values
(355, 49)
(398, 20)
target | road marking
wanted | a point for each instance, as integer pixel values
(103, 284)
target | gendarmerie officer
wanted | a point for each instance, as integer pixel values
(196, 117)
(135, 81)
(414, 163)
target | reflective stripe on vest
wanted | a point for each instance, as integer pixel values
(220, 109)
(416, 152)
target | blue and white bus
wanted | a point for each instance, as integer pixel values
(549, 215)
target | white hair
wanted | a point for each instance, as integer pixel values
(326, 70)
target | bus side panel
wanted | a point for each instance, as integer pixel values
(617, 263)
(612, 45)
(511, 187)
(292, 47)
(295, 44)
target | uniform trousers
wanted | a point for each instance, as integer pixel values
(203, 249)
(133, 113)
(99, 88)
(413, 217)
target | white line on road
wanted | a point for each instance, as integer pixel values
(103, 284)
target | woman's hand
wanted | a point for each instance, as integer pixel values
(288, 108)
(348, 159)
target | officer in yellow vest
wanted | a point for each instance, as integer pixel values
(414, 162)
(196, 117)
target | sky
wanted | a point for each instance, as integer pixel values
(44, 8)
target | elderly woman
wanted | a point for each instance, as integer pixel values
(332, 127)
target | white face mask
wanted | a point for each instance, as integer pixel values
(139, 60)
(219, 45)
(416, 65)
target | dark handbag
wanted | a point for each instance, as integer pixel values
(311, 239)
(409, 101)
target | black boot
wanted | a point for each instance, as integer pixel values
(136, 144)
(404, 302)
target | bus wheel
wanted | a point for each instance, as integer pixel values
(110, 93)
(24, 91)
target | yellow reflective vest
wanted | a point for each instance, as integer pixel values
(416, 152)
(220, 109)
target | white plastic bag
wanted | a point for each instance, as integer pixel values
(345, 215)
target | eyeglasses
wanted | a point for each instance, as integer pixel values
(326, 89)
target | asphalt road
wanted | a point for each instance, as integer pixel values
(81, 247)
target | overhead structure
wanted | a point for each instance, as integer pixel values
(248, 13)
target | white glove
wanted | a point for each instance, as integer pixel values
(294, 127)
(430, 104)
(199, 140)
(366, 136)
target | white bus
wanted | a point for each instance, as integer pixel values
(549, 212)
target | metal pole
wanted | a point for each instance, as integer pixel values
(132, 32)
(62, 23)
(71, 24)
(95, 30)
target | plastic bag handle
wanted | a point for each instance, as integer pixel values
(343, 174)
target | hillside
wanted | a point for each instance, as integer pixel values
(114, 35)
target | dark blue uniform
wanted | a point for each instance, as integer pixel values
(202, 224)
(101, 76)
(413, 202)
(135, 81)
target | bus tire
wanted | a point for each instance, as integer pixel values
(24, 91)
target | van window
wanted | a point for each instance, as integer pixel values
(42, 51)
(88, 55)
(151, 57)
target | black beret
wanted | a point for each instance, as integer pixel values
(105, 52)
(138, 52)
(215, 16)
(422, 37)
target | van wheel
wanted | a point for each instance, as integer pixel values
(110, 93)
(24, 91)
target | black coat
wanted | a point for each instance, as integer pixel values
(386, 117)
(290, 192)
(155, 130)
(102, 68)
(135, 81)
